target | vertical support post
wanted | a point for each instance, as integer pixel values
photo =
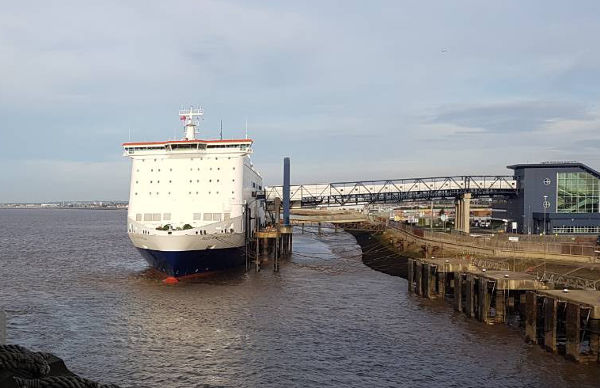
(411, 273)
(257, 259)
(484, 300)
(550, 323)
(427, 280)
(419, 278)
(470, 305)
(594, 326)
(458, 291)
(286, 191)
(458, 218)
(531, 310)
(303, 228)
(500, 307)
(2, 327)
(319, 228)
(466, 223)
(441, 280)
(573, 326)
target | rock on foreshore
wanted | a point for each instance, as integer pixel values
(22, 368)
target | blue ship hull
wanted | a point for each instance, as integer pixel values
(182, 263)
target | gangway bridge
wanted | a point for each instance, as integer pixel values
(390, 191)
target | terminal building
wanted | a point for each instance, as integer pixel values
(555, 198)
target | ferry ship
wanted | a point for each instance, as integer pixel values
(192, 202)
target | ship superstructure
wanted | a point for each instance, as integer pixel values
(192, 201)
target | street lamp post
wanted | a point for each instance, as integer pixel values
(545, 204)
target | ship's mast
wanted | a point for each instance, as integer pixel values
(190, 118)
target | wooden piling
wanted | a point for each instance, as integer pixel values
(573, 330)
(531, 317)
(419, 278)
(458, 292)
(411, 269)
(470, 293)
(550, 323)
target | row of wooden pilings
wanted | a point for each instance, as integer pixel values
(273, 243)
(561, 321)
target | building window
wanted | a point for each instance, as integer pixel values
(577, 192)
(138, 217)
(197, 216)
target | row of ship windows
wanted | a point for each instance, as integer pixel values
(189, 192)
(192, 159)
(196, 216)
(191, 169)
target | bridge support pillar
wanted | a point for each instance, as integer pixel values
(466, 212)
(462, 210)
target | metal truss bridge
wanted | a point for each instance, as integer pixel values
(395, 190)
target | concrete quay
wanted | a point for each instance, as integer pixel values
(564, 322)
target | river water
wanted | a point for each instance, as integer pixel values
(72, 284)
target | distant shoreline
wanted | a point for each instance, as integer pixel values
(63, 207)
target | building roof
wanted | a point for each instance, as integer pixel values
(556, 165)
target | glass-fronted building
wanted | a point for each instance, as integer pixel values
(556, 198)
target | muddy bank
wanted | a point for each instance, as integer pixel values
(380, 255)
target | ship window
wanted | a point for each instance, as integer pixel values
(233, 180)
(233, 192)
(196, 193)
(151, 170)
(155, 160)
(197, 180)
(226, 216)
(169, 181)
(190, 192)
(216, 216)
(216, 158)
(138, 217)
(136, 181)
(260, 187)
(234, 168)
(218, 168)
(138, 170)
(157, 193)
(253, 184)
(159, 170)
(170, 169)
(150, 181)
(191, 169)
(157, 181)
(197, 216)
(150, 193)
(190, 181)
(198, 169)
(147, 216)
(207, 216)
(210, 180)
(135, 193)
(156, 217)
(167, 216)
(217, 180)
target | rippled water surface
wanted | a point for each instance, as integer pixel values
(72, 284)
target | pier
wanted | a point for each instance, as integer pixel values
(561, 321)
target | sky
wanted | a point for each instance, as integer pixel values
(349, 90)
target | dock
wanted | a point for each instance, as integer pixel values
(561, 321)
